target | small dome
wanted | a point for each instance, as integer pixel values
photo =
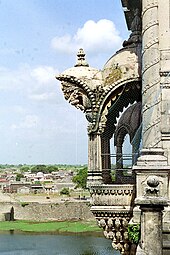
(82, 71)
(40, 174)
(125, 64)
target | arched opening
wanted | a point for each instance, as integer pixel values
(127, 152)
(117, 160)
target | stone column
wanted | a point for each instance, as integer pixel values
(106, 160)
(94, 160)
(151, 228)
(151, 93)
(164, 45)
(119, 163)
(151, 205)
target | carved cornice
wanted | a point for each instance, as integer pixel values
(72, 88)
(111, 195)
(136, 28)
(91, 101)
(112, 189)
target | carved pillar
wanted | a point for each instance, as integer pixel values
(119, 163)
(94, 160)
(119, 159)
(106, 162)
(151, 93)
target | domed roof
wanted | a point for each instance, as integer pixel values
(82, 71)
(40, 174)
(125, 64)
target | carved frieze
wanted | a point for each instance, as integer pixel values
(112, 194)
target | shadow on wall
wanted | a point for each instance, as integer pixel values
(9, 216)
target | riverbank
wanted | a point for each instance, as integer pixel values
(52, 227)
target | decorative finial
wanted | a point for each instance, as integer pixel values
(81, 60)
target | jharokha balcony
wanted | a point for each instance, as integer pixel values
(110, 98)
(112, 203)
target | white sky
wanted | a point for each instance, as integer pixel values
(39, 39)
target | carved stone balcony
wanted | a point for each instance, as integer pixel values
(112, 206)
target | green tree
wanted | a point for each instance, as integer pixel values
(51, 168)
(65, 191)
(81, 178)
(39, 168)
(44, 169)
(19, 176)
(24, 168)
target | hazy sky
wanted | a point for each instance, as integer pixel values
(39, 39)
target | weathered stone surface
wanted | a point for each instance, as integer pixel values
(48, 211)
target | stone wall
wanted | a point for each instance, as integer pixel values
(47, 211)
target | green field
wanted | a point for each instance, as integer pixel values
(59, 227)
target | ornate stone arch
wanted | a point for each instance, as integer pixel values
(129, 123)
(123, 95)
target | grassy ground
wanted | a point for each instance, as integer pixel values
(59, 227)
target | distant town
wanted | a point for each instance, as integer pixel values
(36, 179)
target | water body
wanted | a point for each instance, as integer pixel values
(28, 244)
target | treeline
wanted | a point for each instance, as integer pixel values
(40, 167)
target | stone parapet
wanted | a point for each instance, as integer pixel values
(112, 194)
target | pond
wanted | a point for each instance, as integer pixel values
(43, 244)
